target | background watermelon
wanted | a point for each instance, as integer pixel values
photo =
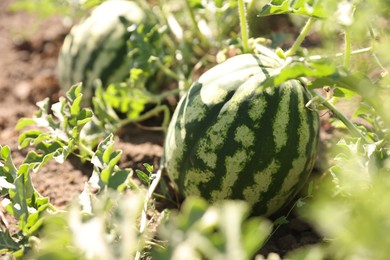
(96, 48)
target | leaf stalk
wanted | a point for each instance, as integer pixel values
(346, 121)
(243, 25)
(305, 30)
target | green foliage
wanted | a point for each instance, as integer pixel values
(45, 8)
(147, 51)
(106, 173)
(108, 231)
(127, 99)
(311, 8)
(7, 242)
(355, 196)
(22, 202)
(58, 136)
(61, 134)
(201, 231)
(145, 177)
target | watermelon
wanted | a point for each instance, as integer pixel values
(96, 48)
(232, 138)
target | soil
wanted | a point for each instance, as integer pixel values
(28, 56)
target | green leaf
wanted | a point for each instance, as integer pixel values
(7, 242)
(281, 221)
(119, 179)
(45, 152)
(128, 100)
(255, 228)
(7, 167)
(219, 231)
(344, 93)
(295, 70)
(24, 190)
(148, 167)
(311, 8)
(143, 176)
(105, 162)
(24, 122)
(59, 134)
(32, 137)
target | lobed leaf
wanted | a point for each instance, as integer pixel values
(105, 160)
(7, 168)
(7, 242)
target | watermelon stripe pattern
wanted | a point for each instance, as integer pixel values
(96, 48)
(232, 138)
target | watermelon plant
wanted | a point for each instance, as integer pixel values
(96, 48)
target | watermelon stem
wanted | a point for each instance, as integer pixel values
(305, 30)
(149, 194)
(201, 36)
(165, 69)
(347, 51)
(385, 72)
(86, 149)
(346, 121)
(243, 25)
(151, 113)
(337, 55)
(166, 94)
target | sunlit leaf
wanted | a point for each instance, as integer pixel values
(302, 7)
(143, 176)
(105, 162)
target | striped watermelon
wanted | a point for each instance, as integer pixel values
(96, 48)
(232, 138)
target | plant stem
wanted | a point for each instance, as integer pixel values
(243, 25)
(153, 112)
(301, 37)
(164, 95)
(347, 51)
(165, 69)
(86, 149)
(385, 72)
(337, 55)
(149, 194)
(348, 123)
(201, 36)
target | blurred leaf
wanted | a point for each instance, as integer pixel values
(110, 231)
(294, 70)
(147, 41)
(312, 8)
(8, 170)
(143, 176)
(148, 167)
(45, 8)
(281, 221)
(6, 241)
(220, 231)
(344, 93)
(125, 99)
(105, 162)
